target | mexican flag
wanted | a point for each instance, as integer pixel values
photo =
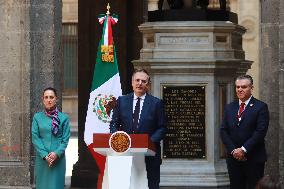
(105, 89)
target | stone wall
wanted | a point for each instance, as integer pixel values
(45, 29)
(14, 94)
(248, 14)
(29, 61)
(70, 98)
(271, 81)
(45, 32)
(281, 92)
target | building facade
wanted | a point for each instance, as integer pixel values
(31, 59)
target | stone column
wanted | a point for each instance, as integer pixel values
(14, 95)
(45, 63)
(271, 82)
(45, 36)
(198, 61)
(281, 93)
(29, 61)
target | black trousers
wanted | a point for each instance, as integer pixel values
(153, 171)
(244, 174)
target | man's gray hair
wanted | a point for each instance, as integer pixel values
(248, 77)
(143, 71)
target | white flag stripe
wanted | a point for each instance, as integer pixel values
(101, 19)
(115, 19)
(106, 33)
(93, 124)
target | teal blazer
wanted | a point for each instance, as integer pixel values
(45, 142)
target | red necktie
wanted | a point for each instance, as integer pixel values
(241, 110)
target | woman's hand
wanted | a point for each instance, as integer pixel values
(51, 157)
(48, 160)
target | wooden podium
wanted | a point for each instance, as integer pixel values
(125, 170)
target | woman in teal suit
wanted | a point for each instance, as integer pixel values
(50, 136)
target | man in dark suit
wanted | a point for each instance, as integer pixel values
(140, 112)
(243, 129)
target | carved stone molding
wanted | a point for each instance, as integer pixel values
(249, 22)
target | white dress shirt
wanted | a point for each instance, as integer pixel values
(246, 103)
(135, 98)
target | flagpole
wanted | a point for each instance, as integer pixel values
(105, 89)
(108, 8)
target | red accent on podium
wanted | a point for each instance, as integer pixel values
(101, 140)
(125, 170)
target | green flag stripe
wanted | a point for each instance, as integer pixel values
(115, 16)
(103, 70)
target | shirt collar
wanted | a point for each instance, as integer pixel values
(141, 97)
(246, 102)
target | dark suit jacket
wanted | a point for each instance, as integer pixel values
(249, 132)
(152, 118)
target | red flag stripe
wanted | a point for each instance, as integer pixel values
(101, 161)
(109, 23)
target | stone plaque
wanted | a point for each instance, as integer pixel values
(185, 108)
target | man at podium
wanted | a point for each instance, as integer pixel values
(142, 113)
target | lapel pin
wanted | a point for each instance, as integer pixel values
(251, 105)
